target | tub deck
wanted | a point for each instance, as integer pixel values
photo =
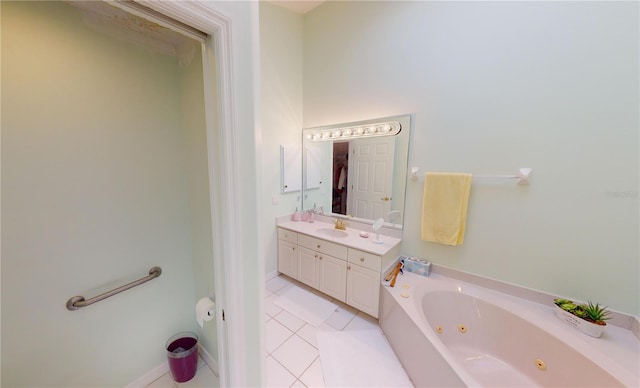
(617, 352)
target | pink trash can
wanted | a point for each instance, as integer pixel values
(182, 352)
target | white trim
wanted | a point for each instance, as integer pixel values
(209, 360)
(149, 377)
(223, 151)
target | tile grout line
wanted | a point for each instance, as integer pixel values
(286, 339)
(285, 368)
(302, 338)
(305, 371)
(297, 377)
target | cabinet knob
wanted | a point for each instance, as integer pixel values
(316, 256)
(318, 246)
(294, 248)
(348, 267)
(362, 259)
(320, 257)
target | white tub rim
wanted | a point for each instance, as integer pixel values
(540, 315)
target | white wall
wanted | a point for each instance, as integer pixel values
(495, 86)
(281, 96)
(95, 189)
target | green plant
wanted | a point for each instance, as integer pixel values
(589, 312)
(596, 313)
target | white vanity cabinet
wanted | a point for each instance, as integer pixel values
(288, 252)
(363, 281)
(322, 265)
(347, 274)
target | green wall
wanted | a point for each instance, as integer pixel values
(101, 180)
(495, 86)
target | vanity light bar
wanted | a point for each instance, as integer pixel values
(389, 128)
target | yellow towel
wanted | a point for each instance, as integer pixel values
(444, 207)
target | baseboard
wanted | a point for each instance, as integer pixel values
(157, 372)
(206, 357)
(270, 276)
(149, 377)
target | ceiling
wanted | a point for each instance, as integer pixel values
(110, 20)
(297, 6)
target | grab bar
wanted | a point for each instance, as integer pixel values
(78, 301)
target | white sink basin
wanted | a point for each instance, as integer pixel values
(336, 233)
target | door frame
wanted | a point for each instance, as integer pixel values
(223, 147)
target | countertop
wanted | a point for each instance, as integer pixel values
(353, 240)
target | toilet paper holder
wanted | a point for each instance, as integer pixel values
(205, 310)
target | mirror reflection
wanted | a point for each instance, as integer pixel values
(357, 169)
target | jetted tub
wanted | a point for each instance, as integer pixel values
(450, 333)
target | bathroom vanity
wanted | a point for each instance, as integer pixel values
(339, 263)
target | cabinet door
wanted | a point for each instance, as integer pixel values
(363, 289)
(287, 259)
(333, 277)
(308, 267)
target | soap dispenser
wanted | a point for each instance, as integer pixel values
(296, 215)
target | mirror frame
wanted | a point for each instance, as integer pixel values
(400, 168)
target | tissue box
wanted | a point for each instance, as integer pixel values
(417, 266)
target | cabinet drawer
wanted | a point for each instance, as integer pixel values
(287, 235)
(323, 246)
(367, 260)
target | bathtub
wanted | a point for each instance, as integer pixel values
(451, 333)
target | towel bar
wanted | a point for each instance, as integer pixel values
(523, 175)
(78, 301)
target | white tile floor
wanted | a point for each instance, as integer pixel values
(292, 350)
(204, 378)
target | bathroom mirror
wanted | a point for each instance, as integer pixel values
(357, 169)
